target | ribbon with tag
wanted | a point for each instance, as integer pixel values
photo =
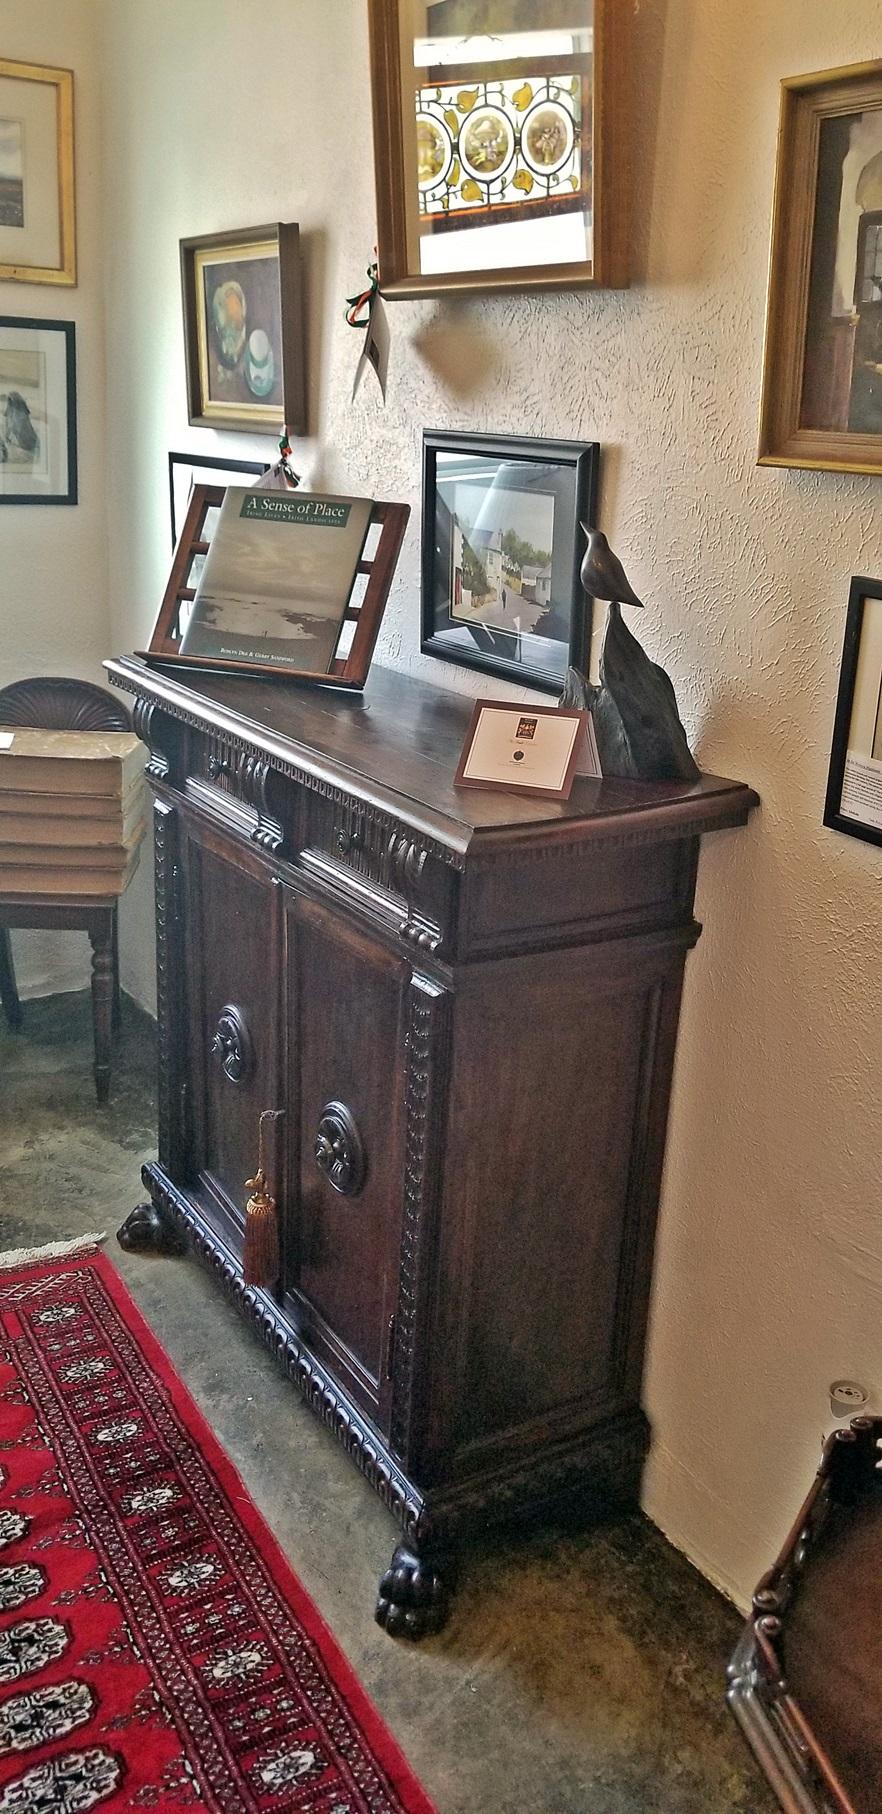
(375, 348)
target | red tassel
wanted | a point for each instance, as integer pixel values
(260, 1259)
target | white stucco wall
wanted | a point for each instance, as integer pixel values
(221, 115)
(53, 559)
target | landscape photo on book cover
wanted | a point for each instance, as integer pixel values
(277, 579)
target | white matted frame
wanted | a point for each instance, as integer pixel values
(38, 411)
(37, 206)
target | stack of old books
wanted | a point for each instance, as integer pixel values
(73, 808)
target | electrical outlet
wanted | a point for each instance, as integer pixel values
(848, 1398)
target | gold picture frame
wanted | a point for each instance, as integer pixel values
(50, 183)
(822, 381)
(579, 112)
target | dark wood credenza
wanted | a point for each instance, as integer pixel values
(463, 1007)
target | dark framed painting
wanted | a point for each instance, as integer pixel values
(38, 411)
(822, 389)
(854, 784)
(243, 329)
(504, 522)
(186, 470)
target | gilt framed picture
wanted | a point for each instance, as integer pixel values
(37, 209)
(38, 411)
(243, 329)
(503, 537)
(822, 389)
(854, 785)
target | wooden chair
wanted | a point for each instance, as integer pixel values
(67, 705)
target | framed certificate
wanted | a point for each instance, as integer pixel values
(532, 749)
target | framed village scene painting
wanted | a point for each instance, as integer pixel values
(822, 394)
(503, 538)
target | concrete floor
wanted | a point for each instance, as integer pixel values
(578, 1674)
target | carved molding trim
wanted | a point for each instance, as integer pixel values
(232, 767)
(428, 1010)
(165, 839)
(315, 1386)
(385, 822)
(277, 765)
(145, 723)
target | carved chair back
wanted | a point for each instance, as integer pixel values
(53, 704)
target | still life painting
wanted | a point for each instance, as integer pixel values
(244, 329)
(822, 402)
(37, 226)
(502, 543)
(37, 411)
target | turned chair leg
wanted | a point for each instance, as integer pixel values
(117, 1006)
(8, 990)
(102, 1004)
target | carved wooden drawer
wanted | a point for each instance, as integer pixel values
(237, 785)
(385, 865)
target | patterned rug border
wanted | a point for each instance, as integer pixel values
(84, 1254)
(80, 1246)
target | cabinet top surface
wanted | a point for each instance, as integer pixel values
(398, 743)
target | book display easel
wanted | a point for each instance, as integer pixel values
(364, 610)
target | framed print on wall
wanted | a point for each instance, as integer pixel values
(854, 786)
(822, 387)
(38, 411)
(186, 470)
(503, 540)
(243, 329)
(37, 220)
(501, 137)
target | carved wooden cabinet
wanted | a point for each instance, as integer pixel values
(461, 1011)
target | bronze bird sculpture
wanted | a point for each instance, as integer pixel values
(636, 721)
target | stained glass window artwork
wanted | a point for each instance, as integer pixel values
(493, 143)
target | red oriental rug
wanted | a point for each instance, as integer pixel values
(156, 1650)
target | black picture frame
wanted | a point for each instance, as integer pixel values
(68, 329)
(571, 473)
(204, 463)
(861, 591)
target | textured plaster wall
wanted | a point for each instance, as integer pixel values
(221, 115)
(53, 560)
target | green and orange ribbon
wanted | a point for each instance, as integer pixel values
(364, 299)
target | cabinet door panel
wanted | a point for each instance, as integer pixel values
(234, 981)
(346, 998)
